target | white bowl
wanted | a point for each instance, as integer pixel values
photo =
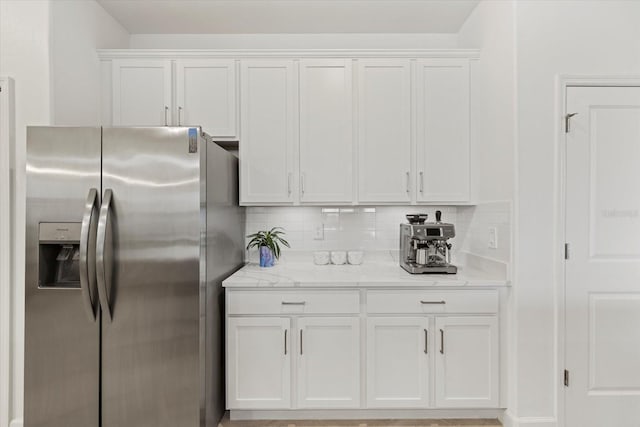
(321, 257)
(355, 257)
(338, 257)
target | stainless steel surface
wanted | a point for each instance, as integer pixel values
(441, 341)
(88, 254)
(433, 302)
(421, 256)
(53, 232)
(426, 342)
(150, 348)
(62, 347)
(104, 255)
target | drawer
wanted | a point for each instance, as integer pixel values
(461, 302)
(293, 302)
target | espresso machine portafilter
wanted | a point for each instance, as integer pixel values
(425, 247)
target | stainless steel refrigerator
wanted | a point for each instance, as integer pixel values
(130, 232)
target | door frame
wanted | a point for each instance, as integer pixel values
(7, 142)
(562, 83)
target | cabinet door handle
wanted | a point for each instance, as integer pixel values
(289, 183)
(433, 302)
(302, 183)
(426, 342)
(300, 342)
(179, 116)
(441, 341)
(294, 302)
(421, 182)
(166, 110)
(285, 342)
(408, 178)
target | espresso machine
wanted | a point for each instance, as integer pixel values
(424, 246)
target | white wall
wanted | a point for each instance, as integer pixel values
(24, 55)
(79, 27)
(559, 37)
(293, 41)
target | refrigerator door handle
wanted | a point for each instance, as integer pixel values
(88, 254)
(103, 258)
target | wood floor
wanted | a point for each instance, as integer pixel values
(226, 422)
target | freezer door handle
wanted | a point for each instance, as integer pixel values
(104, 254)
(88, 254)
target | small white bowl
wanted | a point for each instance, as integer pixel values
(321, 257)
(338, 257)
(355, 257)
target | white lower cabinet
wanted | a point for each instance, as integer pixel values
(398, 362)
(258, 363)
(467, 362)
(328, 362)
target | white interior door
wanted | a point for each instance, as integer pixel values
(602, 305)
(399, 351)
(258, 363)
(328, 362)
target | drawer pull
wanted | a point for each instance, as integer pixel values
(294, 302)
(441, 341)
(426, 342)
(433, 302)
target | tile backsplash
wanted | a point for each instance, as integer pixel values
(358, 227)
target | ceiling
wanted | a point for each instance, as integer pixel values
(289, 16)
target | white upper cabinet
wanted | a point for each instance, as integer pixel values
(206, 95)
(326, 131)
(384, 130)
(141, 92)
(443, 151)
(268, 101)
(467, 362)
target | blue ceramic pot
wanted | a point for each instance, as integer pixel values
(266, 257)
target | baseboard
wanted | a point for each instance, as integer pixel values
(510, 420)
(370, 414)
(16, 423)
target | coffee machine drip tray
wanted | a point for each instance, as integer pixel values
(415, 268)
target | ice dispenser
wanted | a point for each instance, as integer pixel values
(59, 255)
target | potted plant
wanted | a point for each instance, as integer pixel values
(268, 243)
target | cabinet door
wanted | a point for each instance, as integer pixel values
(258, 363)
(328, 362)
(141, 92)
(267, 90)
(398, 359)
(206, 95)
(326, 131)
(384, 133)
(443, 130)
(467, 362)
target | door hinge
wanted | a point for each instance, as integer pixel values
(566, 378)
(566, 251)
(567, 122)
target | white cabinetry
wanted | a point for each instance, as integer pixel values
(206, 95)
(329, 362)
(267, 90)
(442, 148)
(141, 92)
(384, 130)
(467, 362)
(205, 90)
(326, 131)
(258, 363)
(398, 362)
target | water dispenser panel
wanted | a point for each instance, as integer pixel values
(59, 255)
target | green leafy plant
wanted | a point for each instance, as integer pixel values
(271, 239)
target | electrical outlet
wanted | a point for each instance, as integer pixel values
(318, 233)
(493, 238)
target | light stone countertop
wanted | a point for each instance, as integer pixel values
(377, 270)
